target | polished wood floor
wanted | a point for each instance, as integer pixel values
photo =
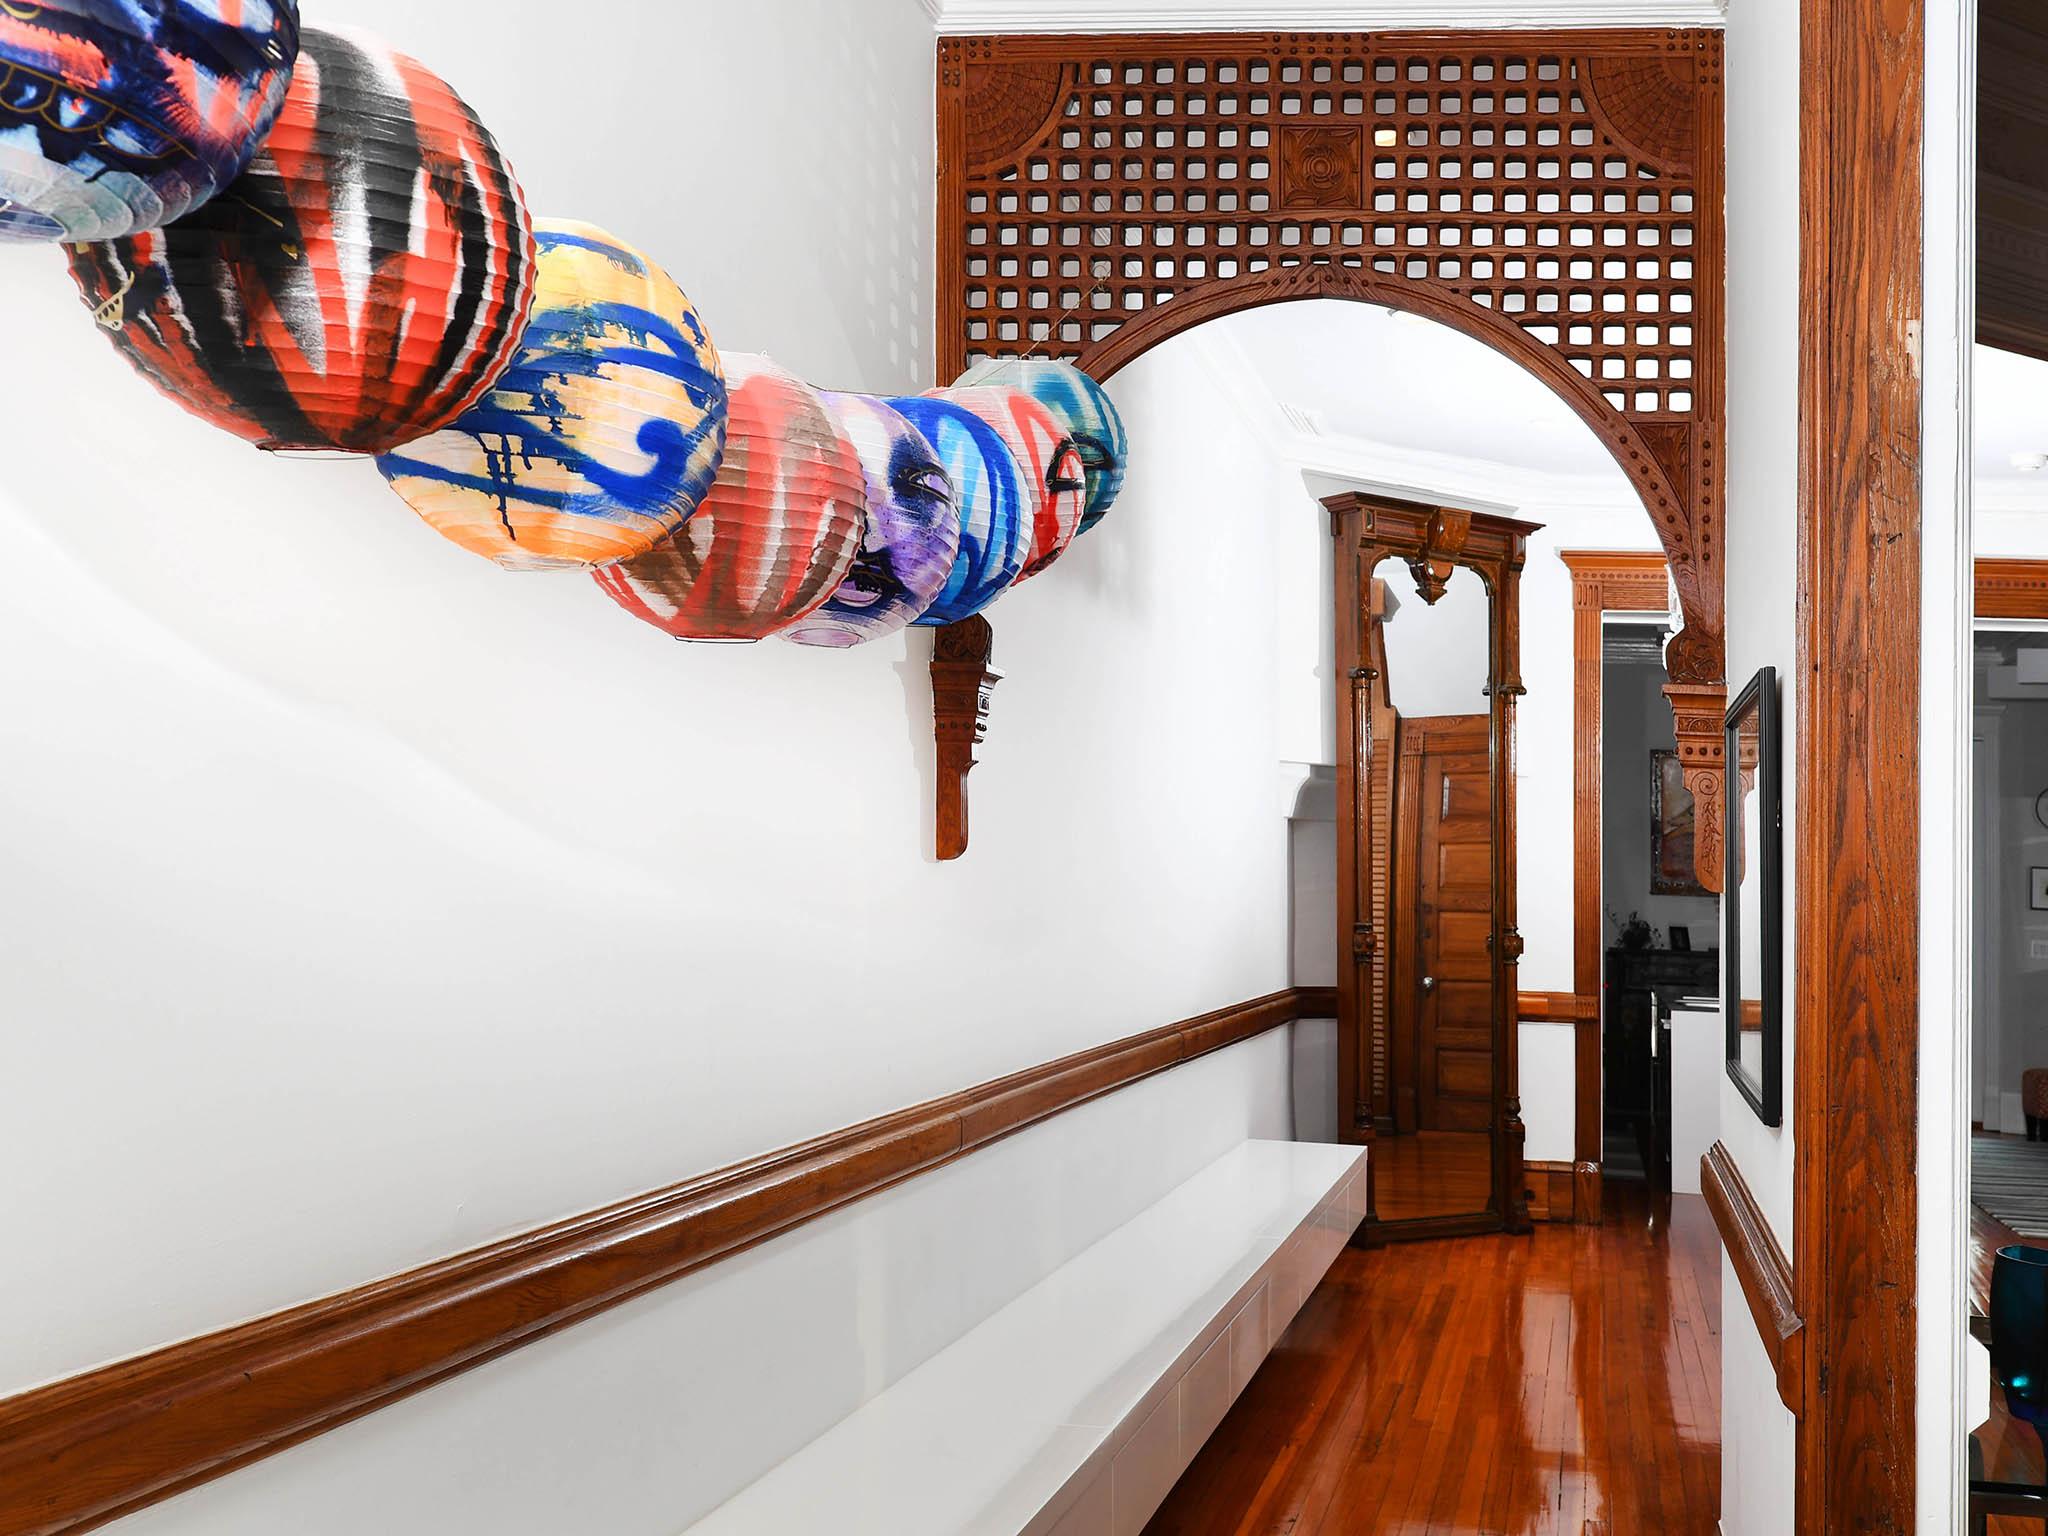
(1432, 1173)
(1564, 1384)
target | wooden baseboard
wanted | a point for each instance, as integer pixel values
(83, 1451)
(1761, 1267)
(1563, 1192)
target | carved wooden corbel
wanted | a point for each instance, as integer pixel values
(1443, 541)
(962, 681)
(1698, 710)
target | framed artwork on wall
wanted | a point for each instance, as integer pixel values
(2037, 882)
(1672, 872)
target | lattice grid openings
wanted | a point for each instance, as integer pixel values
(1567, 182)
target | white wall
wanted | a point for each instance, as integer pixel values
(1763, 478)
(367, 903)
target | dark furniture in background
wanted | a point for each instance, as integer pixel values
(1642, 986)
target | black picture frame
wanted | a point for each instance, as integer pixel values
(1757, 701)
(1681, 938)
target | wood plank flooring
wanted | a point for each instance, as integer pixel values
(1564, 1384)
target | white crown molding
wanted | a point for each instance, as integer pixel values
(974, 16)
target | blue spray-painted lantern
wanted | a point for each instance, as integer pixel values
(988, 488)
(118, 116)
(1081, 406)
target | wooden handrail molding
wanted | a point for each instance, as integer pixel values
(83, 1451)
(1761, 1267)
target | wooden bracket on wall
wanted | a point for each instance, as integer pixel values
(962, 681)
(1697, 710)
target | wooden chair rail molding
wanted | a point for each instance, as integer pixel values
(80, 1452)
(1762, 1268)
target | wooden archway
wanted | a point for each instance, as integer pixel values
(1556, 194)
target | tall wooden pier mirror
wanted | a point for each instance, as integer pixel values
(1428, 672)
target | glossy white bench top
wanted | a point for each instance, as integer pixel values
(987, 1435)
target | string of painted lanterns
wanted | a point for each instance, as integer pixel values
(306, 238)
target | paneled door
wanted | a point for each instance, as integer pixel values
(1453, 971)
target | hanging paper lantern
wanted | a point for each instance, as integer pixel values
(1081, 405)
(602, 436)
(913, 530)
(779, 530)
(1054, 487)
(116, 117)
(988, 488)
(361, 284)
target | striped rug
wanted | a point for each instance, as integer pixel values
(2009, 1179)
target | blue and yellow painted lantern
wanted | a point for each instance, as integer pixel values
(604, 435)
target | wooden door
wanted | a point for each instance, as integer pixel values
(1453, 894)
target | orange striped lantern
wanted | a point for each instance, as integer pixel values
(1055, 480)
(777, 534)
(360, 285)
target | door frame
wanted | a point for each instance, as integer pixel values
(1886, 249)
(1604, 581)
(1432, 540)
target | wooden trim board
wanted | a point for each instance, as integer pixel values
(1558, 1007)
(1856, 912)
(2012, 589)
(86, 1450)
(1761, 1268)
(1603, 581)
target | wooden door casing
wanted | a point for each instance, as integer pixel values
(1452, 886)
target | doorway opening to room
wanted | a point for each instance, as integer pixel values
(1424, 641)
(2007, 1092)
(2003, 1123)
(1660, 1024)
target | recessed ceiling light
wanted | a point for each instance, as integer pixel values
(2029, 463)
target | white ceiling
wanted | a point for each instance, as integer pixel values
(1312, 15)
(1377, 376)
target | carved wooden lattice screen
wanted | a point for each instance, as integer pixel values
(1558, 194)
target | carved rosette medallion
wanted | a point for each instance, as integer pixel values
(1322, 167)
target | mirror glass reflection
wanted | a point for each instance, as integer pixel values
(1745, 821)
(1433, 746)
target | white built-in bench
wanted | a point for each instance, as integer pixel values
(1072, 1410)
